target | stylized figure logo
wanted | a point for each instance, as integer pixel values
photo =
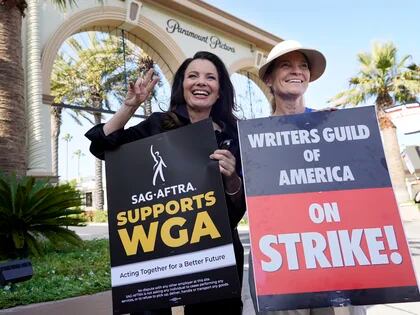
(158, 166)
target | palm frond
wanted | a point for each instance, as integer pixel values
(382, 77)
(31, 210)
(63, 4)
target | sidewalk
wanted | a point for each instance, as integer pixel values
(100, 304)
(412, 230)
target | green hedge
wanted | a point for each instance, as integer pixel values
(32, 210)
(61, 274)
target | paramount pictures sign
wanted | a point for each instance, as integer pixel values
(213, 41)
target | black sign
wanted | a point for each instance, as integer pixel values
(170, 237)
(322, 151)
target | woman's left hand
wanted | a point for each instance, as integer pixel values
(227, 162)
(227, 166)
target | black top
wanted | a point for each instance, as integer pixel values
(158, 123)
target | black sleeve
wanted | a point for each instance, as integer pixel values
(101, 143)
(236, 211)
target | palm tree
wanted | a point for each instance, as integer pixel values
(12, 106)
(93, 76)
(67, 137)
(147, 63)
(78, 154)
(385, 79)
(55, 134)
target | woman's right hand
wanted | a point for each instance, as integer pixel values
(139, 92)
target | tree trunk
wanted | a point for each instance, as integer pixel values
(12, 106)
(393, 157)
(148, 107)
(99, 191)
(55, 134)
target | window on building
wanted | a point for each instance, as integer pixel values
(88, 199)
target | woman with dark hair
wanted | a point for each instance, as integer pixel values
(222, 109)
(201, 89)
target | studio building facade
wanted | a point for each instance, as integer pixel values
(170, 31)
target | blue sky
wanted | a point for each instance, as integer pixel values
(340, 29)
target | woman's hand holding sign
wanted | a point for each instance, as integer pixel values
(227, 166)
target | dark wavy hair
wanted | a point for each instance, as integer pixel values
(222, 110)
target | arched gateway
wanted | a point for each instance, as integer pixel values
(175, 29)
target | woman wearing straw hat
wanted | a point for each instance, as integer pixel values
(287, 72)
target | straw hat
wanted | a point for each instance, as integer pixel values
(316, 59)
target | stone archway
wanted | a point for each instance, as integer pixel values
(249, 65)
(91, 18)
(47, 28)
(247, 68)
(45, 40)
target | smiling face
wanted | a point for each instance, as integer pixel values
(201, 85)
(290, 76)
